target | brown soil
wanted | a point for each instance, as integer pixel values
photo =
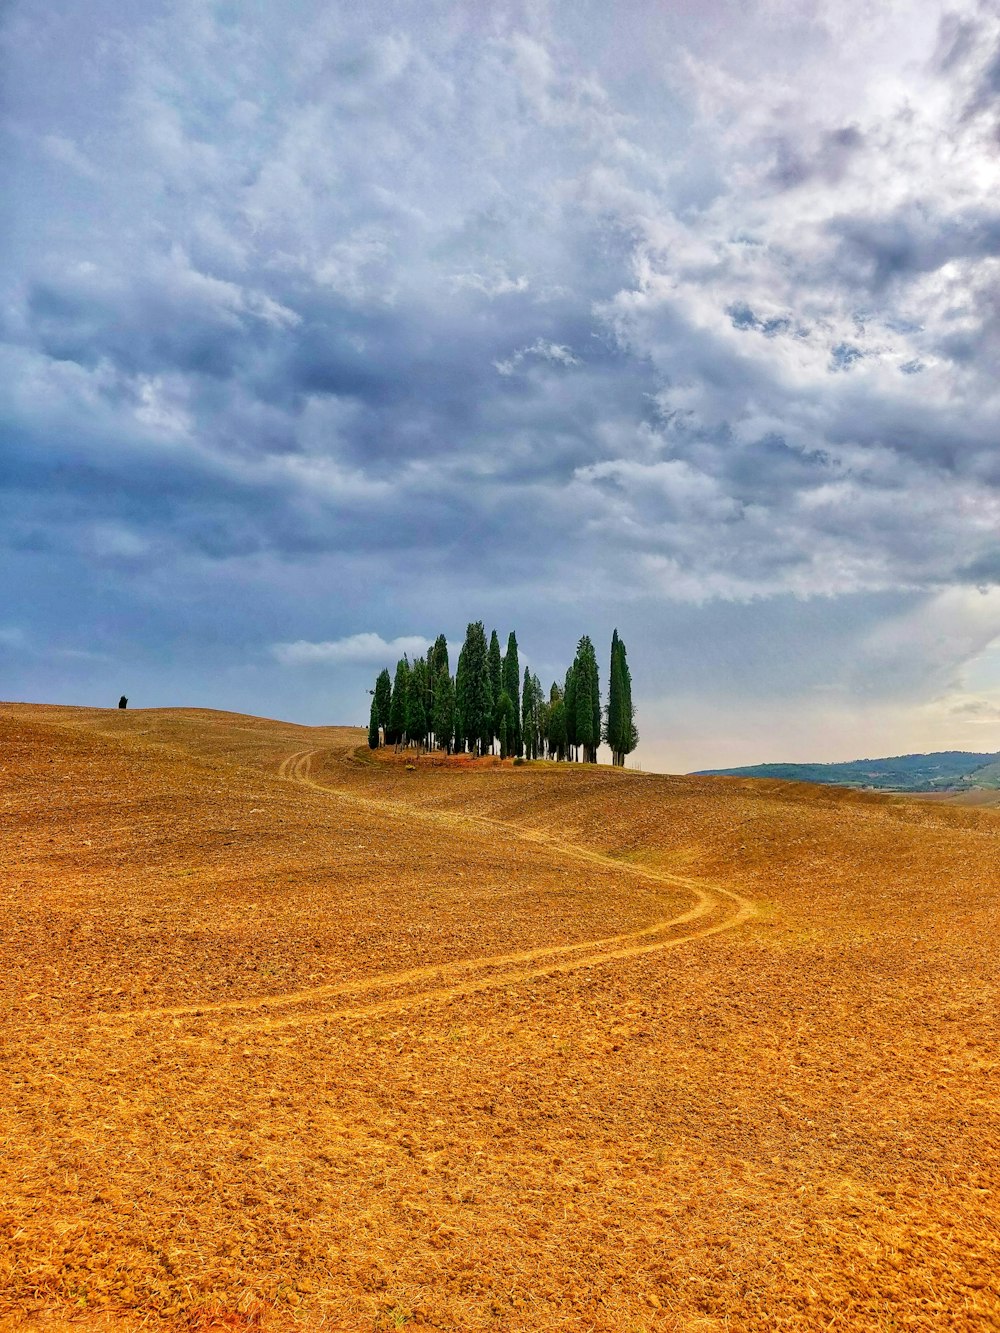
(291, 1034)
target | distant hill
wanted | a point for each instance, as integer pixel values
(946, 770)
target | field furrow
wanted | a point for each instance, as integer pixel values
(299, 1036)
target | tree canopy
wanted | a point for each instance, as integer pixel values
(488, 703)
(619, 727)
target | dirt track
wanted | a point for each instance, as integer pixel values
(294, 1037)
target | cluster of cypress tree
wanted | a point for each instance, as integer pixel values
(487, 704)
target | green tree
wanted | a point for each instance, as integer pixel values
(620, 729)
(506, 724)
(383, 700)
(416, 704)
(438, 657)
(444, 711)
(495, 668)
(373, 726)
(569, 713)
(531, 701)
(476, 701)
(556, 724)
(512, 684)
(538, 703)
(586, 700)
(614, 720)
(397, 711)
(544, 717)
(460, 696)
(596, 712)
(428, 684)
(630, 733)
(437, 665)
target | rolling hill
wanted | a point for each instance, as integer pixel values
(296, 1036)
(945, 770)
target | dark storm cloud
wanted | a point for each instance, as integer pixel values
(827, 157)
(968, 47)
(495, 298)
(144, 331)
(984, 571)
(989, 84)
(913, 242)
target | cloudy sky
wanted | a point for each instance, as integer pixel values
(327, 327)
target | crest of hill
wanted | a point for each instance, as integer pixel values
(942, 771)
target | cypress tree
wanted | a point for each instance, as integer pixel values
(588, 700)
(621, 732)
(397, 711)
(495, 666)
(444, 711)
(630, 734)
(373, 725)
(595, 703)
(537, 703)
(383, 700)
(477, 701)
(438, 657)
(416, 704)
(581, 700)
(531, 698)
(460, 703)
(614, 731)
(544, 716)
(429, 679)
(569, 713)
(498, 717)
(506, 724)
(557, 741)
(512, 683)
(503, 704)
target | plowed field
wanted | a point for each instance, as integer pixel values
(294, 1036)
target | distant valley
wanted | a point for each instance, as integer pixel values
(944, 771)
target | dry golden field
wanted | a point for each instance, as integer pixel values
(291, 1037)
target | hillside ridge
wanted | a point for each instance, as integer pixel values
(375, 1039)
(940, 770)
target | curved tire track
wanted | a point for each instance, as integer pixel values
(394, 992)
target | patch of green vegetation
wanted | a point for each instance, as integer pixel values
(945, 770)
(988, 776)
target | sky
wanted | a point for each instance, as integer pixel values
(325, 328)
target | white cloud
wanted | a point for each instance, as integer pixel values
(156, 410)
(368, 649)
(491, 284)
(555, 353)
